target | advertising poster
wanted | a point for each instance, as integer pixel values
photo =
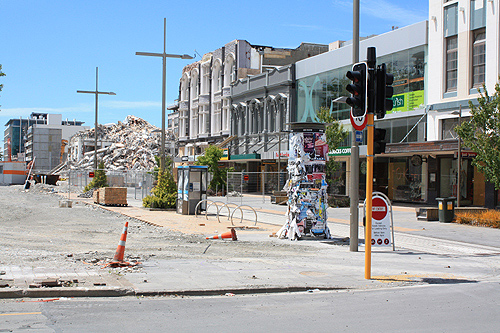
(320, 146)
(309, 145)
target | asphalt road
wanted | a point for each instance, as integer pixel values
(464, 307)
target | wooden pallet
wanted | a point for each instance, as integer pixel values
(113, 196)
(114, 205)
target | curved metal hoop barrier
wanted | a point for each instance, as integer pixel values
(228, 210)
(209, 203)
(198, 205)
(216, 203)
(241, 220)
(219, 209)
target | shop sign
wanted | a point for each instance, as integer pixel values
(466, 154)
(342, 151)
(408, 101)
(284, 154)
(225, 154)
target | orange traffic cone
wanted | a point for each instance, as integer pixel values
(120, 250)
(230, 234)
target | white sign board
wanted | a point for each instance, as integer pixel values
(381, 222)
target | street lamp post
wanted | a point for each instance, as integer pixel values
(459, 167)
(164, 56)
(96, 92)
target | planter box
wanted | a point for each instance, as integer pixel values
(95, 196)
(113, 196)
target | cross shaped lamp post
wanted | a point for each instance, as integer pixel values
(96, 92)
(164, 56)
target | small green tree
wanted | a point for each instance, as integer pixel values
(164, 194)
(169, 164)
(482, 134)
(100, 179)
(211, 158)
(335, 135)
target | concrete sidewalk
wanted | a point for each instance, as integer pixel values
(426, 252)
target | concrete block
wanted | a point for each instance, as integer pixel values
(65, 204)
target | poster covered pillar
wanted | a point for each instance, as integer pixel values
(306, 186)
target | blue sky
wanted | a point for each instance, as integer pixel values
(50, 49)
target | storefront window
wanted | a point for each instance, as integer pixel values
(319, 90)
(449, 179)
(406, 177)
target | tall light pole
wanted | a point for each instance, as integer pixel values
(459, 167)
(354, 190)
(96, 92)
(164, 56)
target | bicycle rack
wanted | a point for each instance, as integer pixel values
(196, 208)
(241, 210)
(224, 204)
(228, 210)
(216, 204)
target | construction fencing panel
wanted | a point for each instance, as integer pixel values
(256, 183)
(139, 183)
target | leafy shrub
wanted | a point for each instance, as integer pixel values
(167, 201)
(164, 194)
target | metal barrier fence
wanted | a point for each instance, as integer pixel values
(258, 183)
(139, 181)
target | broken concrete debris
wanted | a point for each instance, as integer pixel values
(129, 145)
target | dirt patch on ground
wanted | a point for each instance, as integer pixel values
(37, 233)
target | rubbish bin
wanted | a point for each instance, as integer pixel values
(446, 209)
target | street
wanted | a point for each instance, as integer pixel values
(436, 280)
(467, 307)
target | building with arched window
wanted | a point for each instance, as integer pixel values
(207, 97)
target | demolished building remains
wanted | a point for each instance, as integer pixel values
(128, 145)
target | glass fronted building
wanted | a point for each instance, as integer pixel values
(321, 79)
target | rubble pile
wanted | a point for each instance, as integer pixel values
(135, 144)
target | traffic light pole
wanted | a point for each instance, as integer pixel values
(369, 193)
(354, 189)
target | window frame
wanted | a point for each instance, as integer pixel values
(448, 53)
(478, 43)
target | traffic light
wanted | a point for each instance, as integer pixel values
(384, 91)
(358, 89)
(379, 141)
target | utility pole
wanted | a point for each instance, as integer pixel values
(354, 190)
(164, 56)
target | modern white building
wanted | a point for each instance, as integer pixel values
(464, 54)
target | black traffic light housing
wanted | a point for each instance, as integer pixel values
(384, 91)
(379, 141)
(358, 89)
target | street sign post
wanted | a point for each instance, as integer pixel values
(382, 221)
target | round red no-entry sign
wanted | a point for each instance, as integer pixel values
(379, 208)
